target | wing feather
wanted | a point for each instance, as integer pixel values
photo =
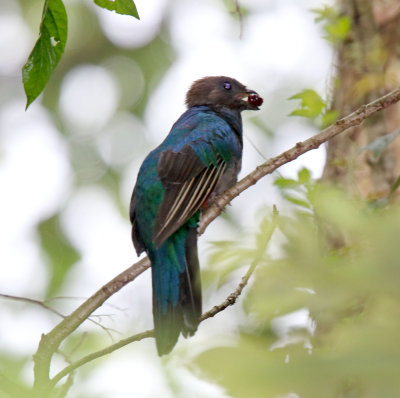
(187, 186)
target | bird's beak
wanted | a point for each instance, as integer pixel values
(252, 99)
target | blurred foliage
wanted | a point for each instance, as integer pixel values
(337, 27)
(12, 385)
(298, 192)
(352, 294)
(228, 256)
(61, 255)
(378, 145)
(313, 107)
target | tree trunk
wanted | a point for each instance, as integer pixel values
(368, 66)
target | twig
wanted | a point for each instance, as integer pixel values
(66, 386)
(240, 16)
(45, 306)
(101, 353)
(51, 341)
(32, 301)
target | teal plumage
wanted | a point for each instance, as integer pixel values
(198, 160)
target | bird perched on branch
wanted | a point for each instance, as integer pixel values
(198, 160)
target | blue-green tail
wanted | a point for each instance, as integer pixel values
(176, 288)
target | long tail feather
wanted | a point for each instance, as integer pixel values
(176, 289)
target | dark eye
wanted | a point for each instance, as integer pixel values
(227, 86)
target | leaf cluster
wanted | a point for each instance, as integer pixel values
(336, 26)
(298, 192)
(339, 261)
(314, 108)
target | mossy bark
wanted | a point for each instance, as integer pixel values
(368, 66)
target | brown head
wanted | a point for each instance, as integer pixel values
(221, 91)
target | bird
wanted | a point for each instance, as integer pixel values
(198, 160)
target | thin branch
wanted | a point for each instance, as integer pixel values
(31, 301)
(68, 384)
(105, 328)
(50, 342)
(83, 299)
(101, 353)
(45, 306)
(240, 16)
(66, 387)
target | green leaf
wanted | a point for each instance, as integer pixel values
(329, 118)
(381, 143)
(325, 13)
(227, 256)
(335, 25)
(282, 182)
(394, 186)
(297, 201)
(47, 51)
(339, 29)
(123, 7)
(311, 104)
(60, 253)
(304, 175)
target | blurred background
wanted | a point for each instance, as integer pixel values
(68, 166)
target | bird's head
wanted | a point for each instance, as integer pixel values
(222, 91)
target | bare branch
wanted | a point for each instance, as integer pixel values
(50, 342)
(101, 353)
(31, 301)
(240, 16)
(47, 307)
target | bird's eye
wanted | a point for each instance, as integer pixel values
(227, 86)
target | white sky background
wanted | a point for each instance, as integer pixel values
(281, 53)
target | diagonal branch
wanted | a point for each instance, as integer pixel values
(31, 301)
(50, 342)
(98, 354)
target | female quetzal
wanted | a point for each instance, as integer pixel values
(197, 161)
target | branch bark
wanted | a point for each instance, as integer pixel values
(50, 342)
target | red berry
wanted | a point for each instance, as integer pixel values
(254, 99)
